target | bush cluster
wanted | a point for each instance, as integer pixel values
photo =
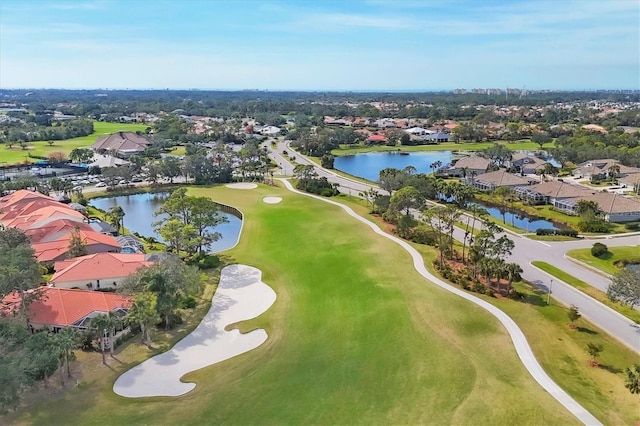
(561, 232)
(599, 250)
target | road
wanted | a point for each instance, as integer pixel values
(525, 251)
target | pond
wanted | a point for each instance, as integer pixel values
(368, 165)
(139, 210)
(519, 220)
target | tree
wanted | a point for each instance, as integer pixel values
(594, 349)
(105, 327)
(81, 155)
(404, 200)
(19, 269)
(66, 341)
(574, 315)
(77, 246)
(504, 193)
(169, 279)
(143, 312)
(370, 195)
(327, 161)
(625, 287)
(613, 172)
(115, 217)
(513, 272)
(632, 381)
(541, 138)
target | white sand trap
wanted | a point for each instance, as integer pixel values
(242, 185)
(241, 295)
(272, 200)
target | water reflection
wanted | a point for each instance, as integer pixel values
(139, 210)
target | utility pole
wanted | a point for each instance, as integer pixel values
(549, 292)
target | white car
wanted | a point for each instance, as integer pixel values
(100, 185)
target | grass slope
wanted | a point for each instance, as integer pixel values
(606, 263)
(355, 337)
(600, 296)
(17, 155)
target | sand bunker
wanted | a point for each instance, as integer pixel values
(242, 185)
(241, 295)
(272, 200)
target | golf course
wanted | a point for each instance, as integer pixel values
(356, 336)
(16, 154)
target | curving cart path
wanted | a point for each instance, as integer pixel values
(517, 336)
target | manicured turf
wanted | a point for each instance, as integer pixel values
(607, 262)
(42, 149)
(355, 337)
(625, 310)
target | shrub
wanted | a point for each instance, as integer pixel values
(209, 262)
(599, 250)
(632, 226)
(562, 232)
(187, 302)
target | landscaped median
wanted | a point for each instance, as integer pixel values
(609, 261)
(600, 296)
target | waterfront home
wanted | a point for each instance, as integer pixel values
(492, 180)
(526, 164)
(469, 165)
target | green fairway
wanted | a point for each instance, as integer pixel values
(606, 263)
(356, 336)
(41, 148)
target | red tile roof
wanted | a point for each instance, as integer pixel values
(98, 266)
(45, 232)
(377, 138)
(63, 307)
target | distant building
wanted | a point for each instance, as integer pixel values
(122, 144)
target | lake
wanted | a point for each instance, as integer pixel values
(368, 165)
(519, 220)
(139, 210)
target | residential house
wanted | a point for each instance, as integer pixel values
(595, 169)
(376, 140)
(438, 137)
(122, 144)
(58, 308)
(565, 197)
(97, 271)
(492, 180)
(469, 165)
(526, 164)
(270, 131)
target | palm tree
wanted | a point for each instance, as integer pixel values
(513, 271)
(632, 381)
(66, 341)
(613, 171)
(105, 325)
(115, 217)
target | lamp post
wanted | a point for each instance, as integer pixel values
(549, 292)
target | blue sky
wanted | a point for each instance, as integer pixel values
(320, 45)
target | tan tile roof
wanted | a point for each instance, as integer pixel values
(476, 163)
(502, 178)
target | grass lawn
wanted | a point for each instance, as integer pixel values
(601, 296)
(41, 148)
(179, 150)
(443, 146)
(606, 263)
(355, 336)
(561, 350)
